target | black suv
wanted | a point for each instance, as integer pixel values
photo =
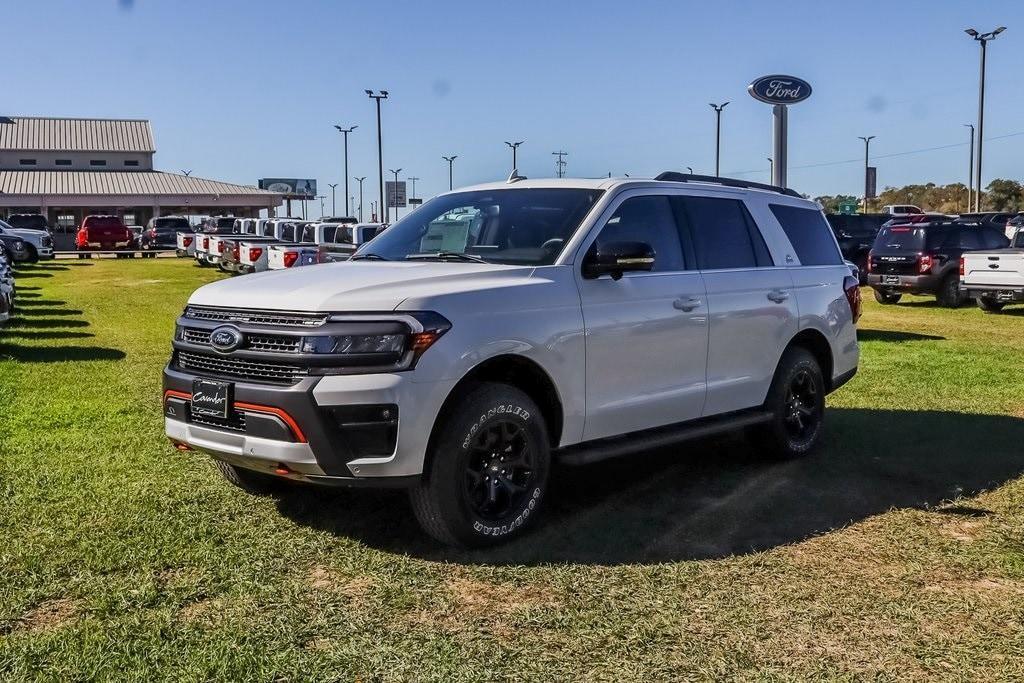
(990, 218)
(924, 258)
(855, 234)
(162, 233)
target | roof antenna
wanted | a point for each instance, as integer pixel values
(514, 176)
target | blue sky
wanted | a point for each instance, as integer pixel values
(242, 89)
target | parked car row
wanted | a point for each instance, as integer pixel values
(37, 243)
(251, 245)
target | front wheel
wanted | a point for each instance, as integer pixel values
(488, 469)
(990, 305)
(796, 400)
(887, 298)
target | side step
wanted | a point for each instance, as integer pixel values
(604, 449)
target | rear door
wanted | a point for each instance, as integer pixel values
(646, 333)
(751, 307)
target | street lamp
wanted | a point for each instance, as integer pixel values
(412, 191)
(771, 169)
(867, 143)
(396, 171)
(345, 132)
(334, 207)
(970, 169)
(718, 131)
(321, 197)
(382, 95)
(983, 39)
(689, 169)
(514, 146)
(450, 160)
(360, 181)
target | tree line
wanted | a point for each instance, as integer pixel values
(999, 195)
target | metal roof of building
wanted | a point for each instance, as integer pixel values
(118, 183)
(30, 133)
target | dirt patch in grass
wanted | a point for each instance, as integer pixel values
(51, 614)
(202, 611)
(323, 579)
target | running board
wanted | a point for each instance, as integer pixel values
(604, 449)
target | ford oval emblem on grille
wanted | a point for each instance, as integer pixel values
(225, 339)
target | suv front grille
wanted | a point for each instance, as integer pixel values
(265, 343)
(257, 317)
(236, 368)
(197, 337)
(235, 422)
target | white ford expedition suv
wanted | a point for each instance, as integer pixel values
(502, 329)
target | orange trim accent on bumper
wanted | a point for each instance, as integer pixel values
(251, 408)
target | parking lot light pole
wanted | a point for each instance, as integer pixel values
(396, 171)
(514, 146)
(382, 95)
(718, 131)
(321, 197)
(983, 39)
(360, 181)
(771, 169)
(451, 161)
(412, 192)
(867, 144)
(345, 132)
(334, 207)
(970, 169)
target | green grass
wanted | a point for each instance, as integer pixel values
(896, 552)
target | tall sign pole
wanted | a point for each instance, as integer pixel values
(780, 91)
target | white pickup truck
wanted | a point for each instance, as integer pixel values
(995, 278)
(314, 241)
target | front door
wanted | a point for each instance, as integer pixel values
(646, 333)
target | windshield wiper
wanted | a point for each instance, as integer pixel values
(368, 257)
(445, 255)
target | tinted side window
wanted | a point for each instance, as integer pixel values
(993, 239)
(969, 238)
(723, 234)
(288, 233)
(650, 220)
(808, 234)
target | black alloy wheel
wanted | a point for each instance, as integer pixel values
(499, 471)
(803, 413)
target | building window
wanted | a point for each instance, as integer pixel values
(66, 222)
(97, 162)
(131, 162)
(27, 162)
(128, 219)
(63, 162)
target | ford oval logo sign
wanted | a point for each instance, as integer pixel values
(779, 89)
(225, 339)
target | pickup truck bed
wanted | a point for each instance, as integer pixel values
(995, 278)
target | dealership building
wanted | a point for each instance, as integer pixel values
(66, 169)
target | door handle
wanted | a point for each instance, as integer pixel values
(686, 304)
(778, 295)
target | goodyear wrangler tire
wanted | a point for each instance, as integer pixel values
(488, 469)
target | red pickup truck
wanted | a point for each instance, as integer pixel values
(104, 233)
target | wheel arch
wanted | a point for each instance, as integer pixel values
(814, 341)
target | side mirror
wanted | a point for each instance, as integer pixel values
(616, 258)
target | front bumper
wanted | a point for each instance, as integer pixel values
(906, 283)
(316, 427)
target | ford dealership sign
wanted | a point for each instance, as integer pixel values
(779, 89)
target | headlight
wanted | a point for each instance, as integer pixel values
(350, 343)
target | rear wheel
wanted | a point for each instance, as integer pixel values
(249, 481)
(796, 400)
(990, 305)
(887, 298)
(488, 469)
(949, 294)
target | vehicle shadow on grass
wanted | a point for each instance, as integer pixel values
(35, 301)
(708, 500)
(22, 274)
(49, 311)
(895, 336)
(43, 334)
(57, 354)
(21, 323)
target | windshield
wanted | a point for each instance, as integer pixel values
(29, 221)
(527, 226)
(169, 224)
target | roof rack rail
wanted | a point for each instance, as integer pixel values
(677, 177)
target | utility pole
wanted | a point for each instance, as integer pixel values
(396, 171)
(451, 161)
(718, 132)
(334, 207)
(561, 163)
(983, 39)
(970, 170)
(383, 95)
(345, 132)
(514, 146)
(360, 181)
(867, 144)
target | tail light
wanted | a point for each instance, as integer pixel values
(236, 253)
(925, 264)
(206, 243)
(871, 257)
(220, 247)
(290, 257)
(152, 232)
(852, 289)
(187, 241)
(962, 270)
(255, 253)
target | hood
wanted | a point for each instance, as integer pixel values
(354, 286)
